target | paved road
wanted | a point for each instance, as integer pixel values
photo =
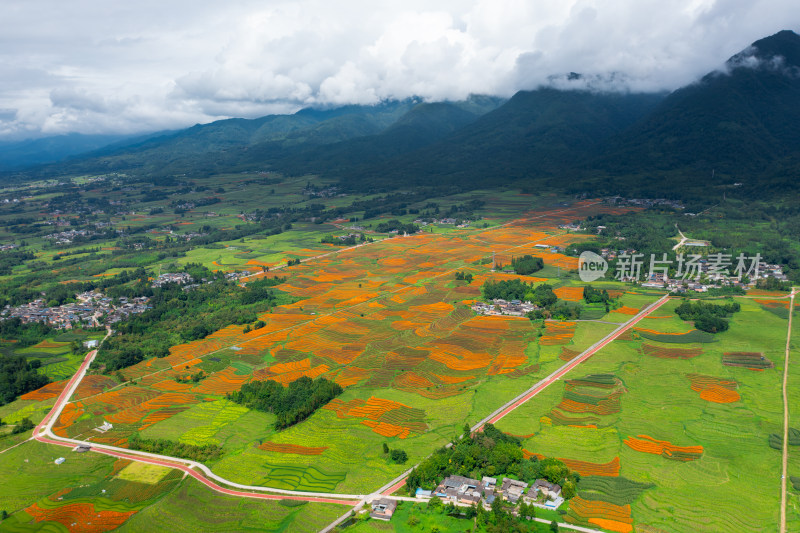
(43, 433)
(785, 454)
(395, 484)
(549, 380)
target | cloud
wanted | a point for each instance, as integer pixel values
(93, 66)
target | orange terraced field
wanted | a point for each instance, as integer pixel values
(557, 333)
(387, 320)
(717, 390)
(571, 294)
(295, 449)
(610, 469)
(80, 517)
(603, 514)
(648, 444)
(51, 390)
(50, 344)
(671, 353)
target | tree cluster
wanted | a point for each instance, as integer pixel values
(498, 519)
(773, 284)
(24, 425)
(464, 276)
(489, 453)
(527, 264)
(194, 378)
(514, 289)
(291, 404)
(25, 334)
(349, 240)
(18, 376)
(396, 225)
(707, 316)
(208, 452)
(595, 296)
(179, 316)
(397, 456)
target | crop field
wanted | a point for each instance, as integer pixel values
(180, 509)
(687, 436)
(388, 322)
(55, 354)
(95, 493)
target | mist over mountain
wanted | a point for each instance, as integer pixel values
(739, 124)
(20, 154)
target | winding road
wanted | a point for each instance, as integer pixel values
(510, 406)
(43, 433)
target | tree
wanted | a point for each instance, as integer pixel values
(385, 448)
(568, 490)
(435, 504)
(554, 526)
(24, 425)
(497, 508)
(527, 511)
(471, 511)
(592, 295)
(527, 264)
(398, 456)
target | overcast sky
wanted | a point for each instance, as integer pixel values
(133, 66)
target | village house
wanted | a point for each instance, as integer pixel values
(87, 311)
(460, 489)
(547, 489)
(512, 489)
(503, 307)
(181, 278)
(383, 509)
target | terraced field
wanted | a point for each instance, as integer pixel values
(389, 323)
(95, 493)
(663, 416)
(690, 434)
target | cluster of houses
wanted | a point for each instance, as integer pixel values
(707, 279)
(644, 202)
(66, 237)
(704, 276)
(181, 278)
(88, 310)
(504, 307)
(328, 192)
(6, 247)
(446, 221)
(464, 491)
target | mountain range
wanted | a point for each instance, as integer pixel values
(735, 127)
